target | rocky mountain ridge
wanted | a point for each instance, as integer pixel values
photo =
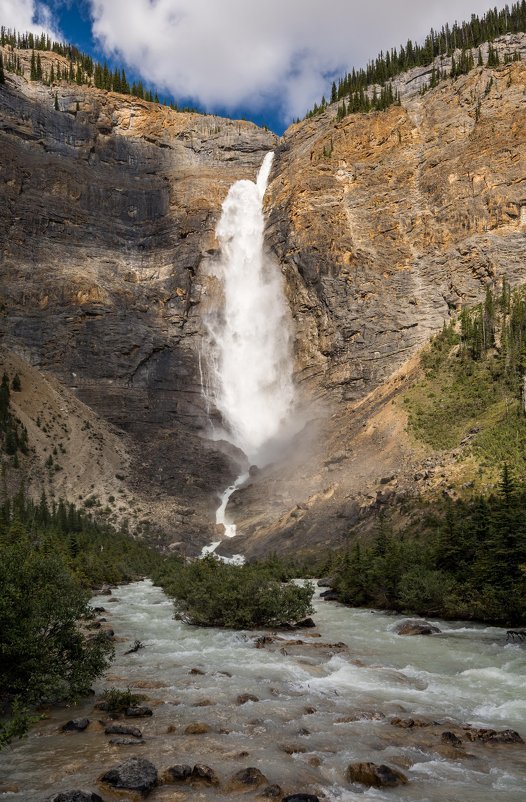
(384, 225)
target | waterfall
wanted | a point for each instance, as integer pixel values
(251, 364)
(249, 354)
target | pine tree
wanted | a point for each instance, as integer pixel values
(33, 68)
(2, 75)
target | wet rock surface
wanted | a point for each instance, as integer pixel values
(135, 774)
(375, 775)
(76, 725)
(416, 627)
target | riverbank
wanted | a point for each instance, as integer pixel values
(300, 708)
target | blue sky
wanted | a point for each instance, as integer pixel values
(268, 62)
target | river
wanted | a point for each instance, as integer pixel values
(321, 705)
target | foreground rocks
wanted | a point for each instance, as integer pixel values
(135, 774)
(77, 796)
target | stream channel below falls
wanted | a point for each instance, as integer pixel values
(321, 705)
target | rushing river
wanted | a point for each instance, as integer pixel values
(308, 723)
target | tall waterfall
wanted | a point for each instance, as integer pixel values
(251, 364)
(250, 353)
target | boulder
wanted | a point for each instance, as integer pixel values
(325, 582)
(135, 774)
(246, 779)
(122, 729)
(77, 796)
(416, 627)
(178, 773)
(307, 623)
(140, 711)
(205, 773)
(243, 698)
(76, 725)
(376, 775)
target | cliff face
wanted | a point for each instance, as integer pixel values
(383, 224)
(108, 207)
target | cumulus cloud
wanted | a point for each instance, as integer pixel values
(27, 15)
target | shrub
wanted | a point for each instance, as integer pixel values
(211, 593)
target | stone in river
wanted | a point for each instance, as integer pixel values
(177, 773)
(301, 798)
(243, 698)
(451, 739)
(77, 796)
(139, 712)
(205, 773)
(416, 628)
(376, 775)
(247, 778)
(135, 774)
(122, 729)
(76, 725)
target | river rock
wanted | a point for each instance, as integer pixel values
(126, 741)
(139, 711)
(490, 736)
(300, 798)
(416, 627)
(247, 778)
(76, 725)
(77, 796)
(307, 623)
(325, 582)
(177, 773)
(243, 698)
(271, 792)
(122, 729)
(197, 729)
(135, 774)
(376, 775)
(205, 773)
(451, 739)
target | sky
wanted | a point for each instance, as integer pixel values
(267, 61)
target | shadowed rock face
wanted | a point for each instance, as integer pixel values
(383, 224)
(108, 207)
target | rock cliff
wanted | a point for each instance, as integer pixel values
(384, 224)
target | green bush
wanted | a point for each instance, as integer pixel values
(117, 701)
(211, 593)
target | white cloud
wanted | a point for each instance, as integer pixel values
(27, 15)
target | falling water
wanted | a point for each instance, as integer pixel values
(250, 355)
(251, 362)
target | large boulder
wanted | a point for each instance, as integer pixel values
(376, 775)
(135, 774)
(416, 627)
